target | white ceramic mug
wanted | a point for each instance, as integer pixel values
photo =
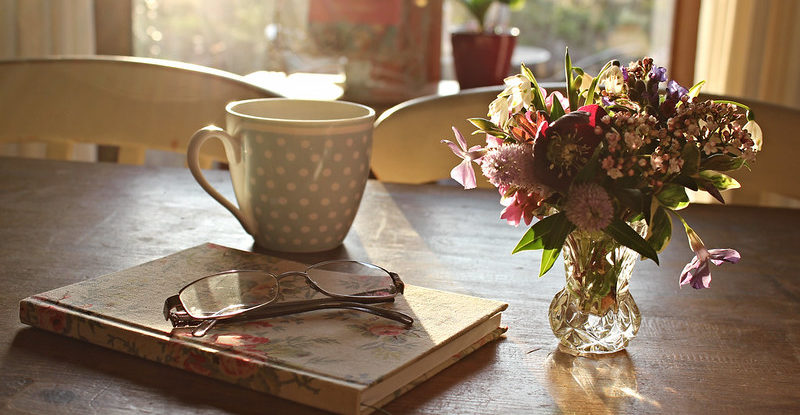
(298, 169)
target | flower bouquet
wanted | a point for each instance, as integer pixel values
(605, 169)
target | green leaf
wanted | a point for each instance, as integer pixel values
(487, 126)
(633, 199)
(590, 93)
(695, 90)
(719, 180)
(538, 99)
(738, 104)
(572, 94)
(549, 257)
(549, 235)
(709, 187)
(673, 196)
(722, 162)
(691, 158)
(534, 238)
(686, 181)
(556, 111)
(659, 232)
(625, 235)
(648, 203)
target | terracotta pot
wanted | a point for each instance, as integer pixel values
(482, 59)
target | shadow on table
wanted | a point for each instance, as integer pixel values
(85, 378)
(603, 385)
(447, 381)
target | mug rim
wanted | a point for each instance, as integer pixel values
(230, 109)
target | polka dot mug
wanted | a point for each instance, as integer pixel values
(298, 169)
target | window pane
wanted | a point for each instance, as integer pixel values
(595, 31)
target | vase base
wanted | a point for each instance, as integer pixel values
(583, 333)
(591, 355)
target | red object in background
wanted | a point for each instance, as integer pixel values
(482, 59)
(387, 12)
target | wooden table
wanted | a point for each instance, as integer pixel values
(734, 348)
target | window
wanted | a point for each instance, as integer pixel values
(595, 31)
(244, 36)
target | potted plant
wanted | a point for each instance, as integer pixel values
(482, 54)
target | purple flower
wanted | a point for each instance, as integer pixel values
(673, 96)
(658, 73)
(674, 89)
(697, 272)
(463, 173)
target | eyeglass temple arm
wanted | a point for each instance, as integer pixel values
(397, 282)
(281, 310)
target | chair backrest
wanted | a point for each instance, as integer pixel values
(771, 181)
(406, 141)
(407, 145)
(133, 103)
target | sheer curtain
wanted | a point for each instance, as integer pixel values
(36, 28)
(46, 27)
(749, 48)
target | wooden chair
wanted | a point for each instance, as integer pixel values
(772, 181)
(135, 104)
(406, 140)
(407, 145)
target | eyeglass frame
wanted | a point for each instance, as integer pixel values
(175, 311)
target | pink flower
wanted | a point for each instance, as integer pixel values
(556, 95)
(509, 165)
(196, 363)
(237, 367)
(492, 141)
(463, 173)
(52, 320)
(697, 273)
(589, 207)
(521, 207)
(244, 341)
(387, 330)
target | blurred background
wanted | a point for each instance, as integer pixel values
(386, 51)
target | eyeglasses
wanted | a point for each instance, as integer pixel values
(238, 295)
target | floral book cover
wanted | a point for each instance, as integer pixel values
(342, 361)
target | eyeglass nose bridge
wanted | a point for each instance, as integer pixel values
(292, 274)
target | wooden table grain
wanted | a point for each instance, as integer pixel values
(734, 348)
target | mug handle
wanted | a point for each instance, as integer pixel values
(233, 154)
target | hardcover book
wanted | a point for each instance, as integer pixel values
(343, 361)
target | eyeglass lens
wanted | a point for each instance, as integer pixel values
(235, 292)
(352, 278)
(228, 293)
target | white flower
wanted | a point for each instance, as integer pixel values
(657, 162)
(755, 133)
(518, 89)
(633, 140)
(675, 165)
(612, 80)
(614, 173)
(498, 111)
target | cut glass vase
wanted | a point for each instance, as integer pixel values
(595, 313)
